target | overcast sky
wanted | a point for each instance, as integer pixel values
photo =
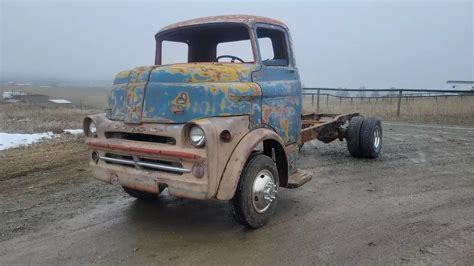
(376, 44)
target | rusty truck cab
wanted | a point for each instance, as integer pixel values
(192, 126)
(219, 119)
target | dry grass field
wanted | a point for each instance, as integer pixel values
(452, 111)
(21, 118)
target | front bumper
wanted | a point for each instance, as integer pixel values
(148, 165)
(136, 173)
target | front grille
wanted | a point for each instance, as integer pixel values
(140, 137)
(144, 163)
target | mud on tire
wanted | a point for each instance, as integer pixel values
(249, 206)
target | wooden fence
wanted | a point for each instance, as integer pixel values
(390, 95)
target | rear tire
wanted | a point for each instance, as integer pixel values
(255, 198)
(353, 136)
(371, 137)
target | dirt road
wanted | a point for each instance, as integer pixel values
(415, 204)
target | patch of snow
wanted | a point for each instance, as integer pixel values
(74, 131)
(10, 94)
(59, 101)
(8, 141)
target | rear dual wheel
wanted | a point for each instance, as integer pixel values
(364, 137)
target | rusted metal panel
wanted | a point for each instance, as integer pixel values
(238, 158)
(328, 127)
(183, 92)
(281, 101)
(244, 19)
(127, 95)
(298, 179)
(121, 146)
(135, 93)
(214, 156)
(292, 152)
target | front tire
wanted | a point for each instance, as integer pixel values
(255, 198)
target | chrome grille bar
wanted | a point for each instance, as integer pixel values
(145, 164)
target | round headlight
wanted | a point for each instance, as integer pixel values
(196, 135)
(92, 129)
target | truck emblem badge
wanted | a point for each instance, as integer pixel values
(180, 102)
(182, 98)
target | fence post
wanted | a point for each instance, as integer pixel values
(317, 103)
(351, 100)
(327, 100)
(399, 102)
(340, 99)
(312, 100)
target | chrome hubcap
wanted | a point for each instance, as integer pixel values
(263, 191)
(377, 138)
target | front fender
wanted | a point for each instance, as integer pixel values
(235, 164)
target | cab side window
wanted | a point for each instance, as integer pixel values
(273, 47)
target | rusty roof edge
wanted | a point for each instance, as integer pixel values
(244, 19)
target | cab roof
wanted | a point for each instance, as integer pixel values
(243, 19)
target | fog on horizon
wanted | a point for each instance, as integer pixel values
(337, 44)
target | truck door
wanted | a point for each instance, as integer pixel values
(280, 83)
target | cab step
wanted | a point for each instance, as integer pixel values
(299, 178)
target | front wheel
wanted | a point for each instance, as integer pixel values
(255, 198)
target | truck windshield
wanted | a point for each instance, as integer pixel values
(224, 42)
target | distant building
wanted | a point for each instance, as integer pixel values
(34, 99)
(61, 103)
(461, 84)
(11, 94)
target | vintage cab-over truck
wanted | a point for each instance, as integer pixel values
(208, 129)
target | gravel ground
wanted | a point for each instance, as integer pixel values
(414, 205)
